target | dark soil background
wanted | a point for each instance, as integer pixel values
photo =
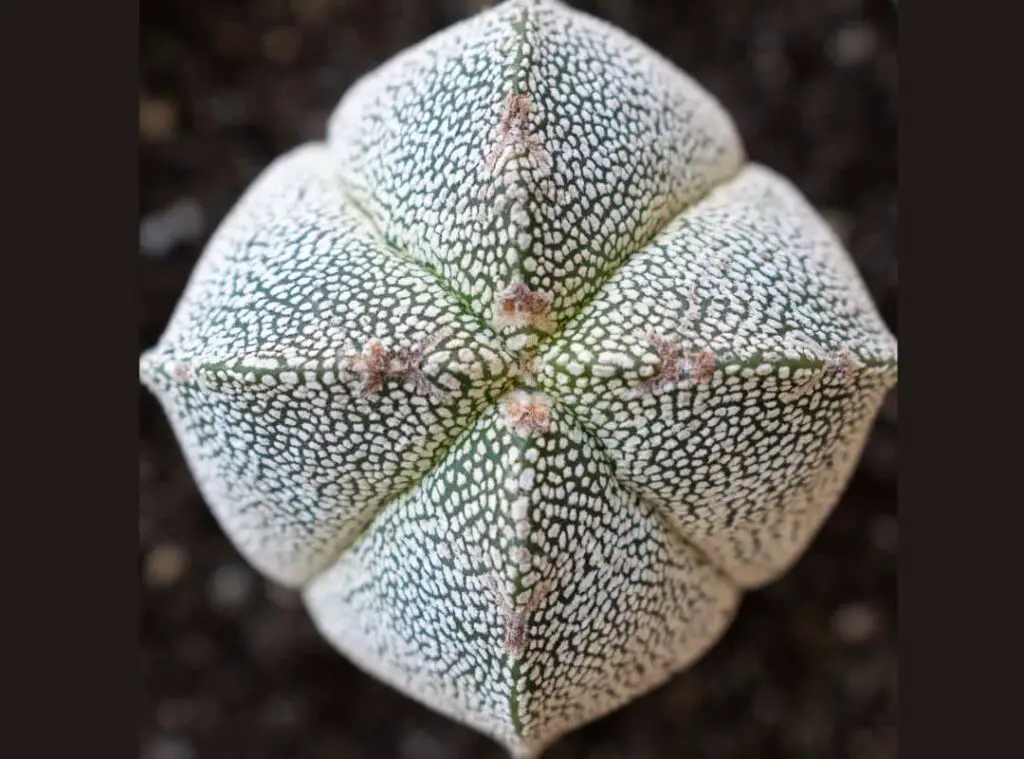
(231, 666)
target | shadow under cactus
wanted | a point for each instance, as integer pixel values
(232, 666)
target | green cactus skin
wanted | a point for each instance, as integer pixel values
(525, 374)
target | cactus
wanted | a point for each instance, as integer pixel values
(525, 374)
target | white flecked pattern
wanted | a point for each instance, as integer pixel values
(619, 142)
(523, 375)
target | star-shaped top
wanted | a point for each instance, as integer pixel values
(525, 374)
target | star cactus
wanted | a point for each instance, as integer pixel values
(525, 374)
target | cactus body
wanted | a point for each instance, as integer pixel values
(525, 374)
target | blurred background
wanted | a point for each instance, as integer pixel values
(231, 666)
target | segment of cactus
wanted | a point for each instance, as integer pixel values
(525, 374)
